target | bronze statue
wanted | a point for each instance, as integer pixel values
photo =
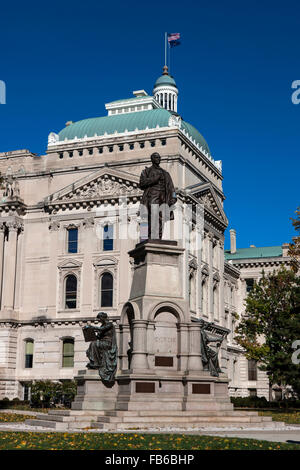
(159, 195)
(210, 359)
(103, 350)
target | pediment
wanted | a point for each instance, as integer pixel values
(103, 184)
(206, 194)
(105, 261)
(70, 264)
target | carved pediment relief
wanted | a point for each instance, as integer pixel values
(206, 195)
(103, 184)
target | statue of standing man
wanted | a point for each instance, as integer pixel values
(159, 195)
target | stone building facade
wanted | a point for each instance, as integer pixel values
(63, 249)
(246, 378)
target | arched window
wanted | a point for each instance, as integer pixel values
(29, 353)
(71, 291)
(68, 352)
(107, 288)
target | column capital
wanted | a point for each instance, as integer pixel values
(54, 225)
(88, 222)
(14, 226)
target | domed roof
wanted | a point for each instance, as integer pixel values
(165, 80)
(118, 124)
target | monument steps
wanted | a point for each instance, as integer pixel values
(179, 419)
(180, 413)
(64, 420)
(186, 424)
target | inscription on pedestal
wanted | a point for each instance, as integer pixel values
(201, 389)
(145, 387)
(163, 361)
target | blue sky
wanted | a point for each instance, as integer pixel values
(234, 69)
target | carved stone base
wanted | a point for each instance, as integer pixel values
(177, 392)
(92, 393)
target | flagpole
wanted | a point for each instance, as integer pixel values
(165, 48)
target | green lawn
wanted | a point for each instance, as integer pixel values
(289, 417)
(132, 441)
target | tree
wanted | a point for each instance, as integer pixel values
(294, 248)
(271, 324)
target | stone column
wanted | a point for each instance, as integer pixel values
(210, 292)
(54, 240)
(9, 274)
(221, 285)
(151, 345)
(124, 345)
(184, 346)
(139, 353)
(18, 290)
(194, 362)
(199, 248)
(2, 230)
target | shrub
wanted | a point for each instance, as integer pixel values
(262, 402)
(6, 403)
(46, 393)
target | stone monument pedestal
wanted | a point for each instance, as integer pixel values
(165, 370)
(92, 393)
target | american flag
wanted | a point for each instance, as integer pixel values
(173, 37)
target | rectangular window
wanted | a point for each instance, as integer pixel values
(26, 391)
(108, 237)
(252, 369)
(28, 354)
(249, 285)
(68, 353)
(252, 392)
(72, 240)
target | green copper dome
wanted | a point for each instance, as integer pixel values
(165, 80)
(118, 124)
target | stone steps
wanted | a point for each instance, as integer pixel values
(179, 419)
(63, 420)
(180, 413)
(187, 424)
